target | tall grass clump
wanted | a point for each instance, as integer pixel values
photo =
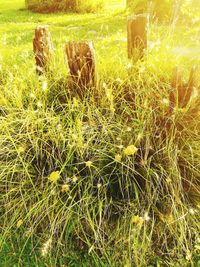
(79, 6)
(114, 179)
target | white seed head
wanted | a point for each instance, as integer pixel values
(46, 247)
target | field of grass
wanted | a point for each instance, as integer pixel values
(111, 180)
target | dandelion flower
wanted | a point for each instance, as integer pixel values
(54, 176)
(65, 188)
(19, 223)
(88, 163)
(118, 157)
(130, 150)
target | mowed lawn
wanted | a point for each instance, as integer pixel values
(107, 30)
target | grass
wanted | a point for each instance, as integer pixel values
(66, 5)
(105, 208)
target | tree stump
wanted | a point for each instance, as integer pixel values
(82, 63)
(43, 49)
(137, 35)
(181, 92)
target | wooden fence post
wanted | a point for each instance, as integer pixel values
(137, 35)
(82, 63)
(181, 92)
(43, 49)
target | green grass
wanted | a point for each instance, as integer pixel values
(142, 210)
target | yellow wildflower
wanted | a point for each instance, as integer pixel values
(197, 247)
(139, 137)
(137, 220)
(54, 176)
(118, 157)
(128, 129)
(39, 104)
(99, 185)
(46, 247)
(65, 188)
(192, 211)
(74, 137)
(166, 218)
(143, 162)
(75, 102)
(188, 256)
(112, 109)
(74, 179)
(19, 223)
(130, 150)
(88, 163)
(168, 180)
(165, 101)
(21, 149)
(44, 86)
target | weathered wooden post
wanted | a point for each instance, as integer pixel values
(128, 3)
(137, 35)
(176, 83)
(43, 49)
(181, 92)
(82, 63)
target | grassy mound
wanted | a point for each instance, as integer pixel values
(79, 6)
(118, 179)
